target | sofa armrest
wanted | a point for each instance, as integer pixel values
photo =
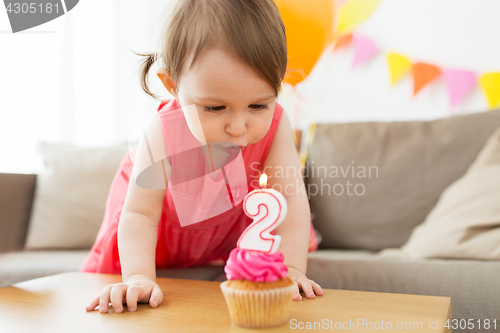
(16, 197)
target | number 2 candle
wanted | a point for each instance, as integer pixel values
(267, 208)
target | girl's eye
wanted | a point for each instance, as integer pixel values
(255, 107)
(214, 108)
(258, 107)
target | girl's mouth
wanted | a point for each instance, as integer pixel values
(233, 150)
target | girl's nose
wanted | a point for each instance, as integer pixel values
(237, 126)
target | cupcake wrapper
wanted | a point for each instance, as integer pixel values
(258, 308)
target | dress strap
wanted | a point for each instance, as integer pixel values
(162, 104)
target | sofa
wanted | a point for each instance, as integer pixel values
(374, 190)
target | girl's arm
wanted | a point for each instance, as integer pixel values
(283, 169)
(141, 212)
(138, 229)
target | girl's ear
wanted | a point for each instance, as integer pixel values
(166, 78)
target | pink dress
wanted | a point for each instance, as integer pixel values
(196, 244)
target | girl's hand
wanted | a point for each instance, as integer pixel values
(135, 289)
(309, 287)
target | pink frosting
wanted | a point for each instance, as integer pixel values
(255, 266)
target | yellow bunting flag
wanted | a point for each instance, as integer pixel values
(353, 12)
(398, 66)
(490, 82)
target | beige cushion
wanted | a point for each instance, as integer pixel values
(27, 265)
(70, 195)
(465, 224)
(472, 285)
(411, 163)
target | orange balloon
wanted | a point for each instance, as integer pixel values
(309, 28)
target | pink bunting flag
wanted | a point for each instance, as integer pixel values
(364, 49)
(460, 84)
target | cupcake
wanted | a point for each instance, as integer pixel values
(258, 291)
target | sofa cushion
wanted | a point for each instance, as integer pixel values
(466, 221)
(16, 197)
(472, 285)
(70, 195)
(371, 184)
(26, 265)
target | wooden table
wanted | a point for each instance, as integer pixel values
(57, 304)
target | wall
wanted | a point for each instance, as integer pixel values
(74, 80)
(462, 34)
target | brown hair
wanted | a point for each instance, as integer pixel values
(250, 29)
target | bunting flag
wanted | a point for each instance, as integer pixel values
(364, 49)
(353, 12)
(398, 66)
(490, 83)
(460, 83)
(422, 74)
(343, 41)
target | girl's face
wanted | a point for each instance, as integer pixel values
(235, 105)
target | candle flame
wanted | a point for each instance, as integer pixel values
(263, 180)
